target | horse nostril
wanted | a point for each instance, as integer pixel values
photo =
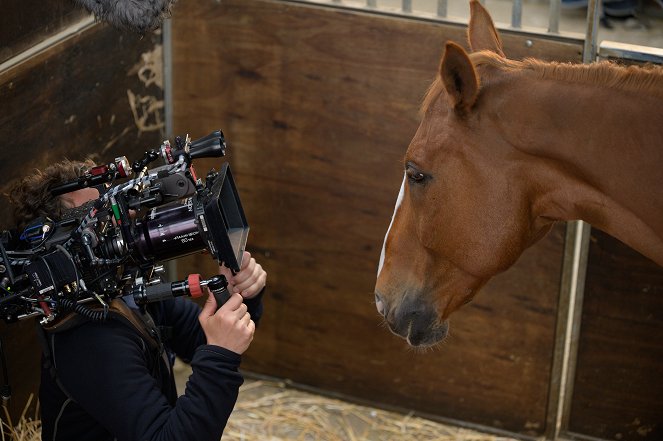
(379, 304)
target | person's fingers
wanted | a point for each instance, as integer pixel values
(253, 286)
(248, 271)
(242, 310)
(233, 304)
(247, 280)
(246, 319)
(246, 258)
(237, 313)
(225, 271)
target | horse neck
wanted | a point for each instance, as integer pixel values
(605, 149)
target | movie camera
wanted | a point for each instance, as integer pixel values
(114, 246)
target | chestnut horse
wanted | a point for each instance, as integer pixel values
(504, 150)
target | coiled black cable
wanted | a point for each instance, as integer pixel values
(88, 313)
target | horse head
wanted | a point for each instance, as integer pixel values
(459, 219)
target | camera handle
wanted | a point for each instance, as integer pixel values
(218, 285)
(191, 286)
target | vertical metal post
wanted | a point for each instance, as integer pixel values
(517, 14)
(406, 6)
(553, 20)
(166, 38)
(591, 35)
(567, 331)
(442, 8)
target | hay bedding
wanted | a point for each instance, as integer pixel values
(271, 411)
(26, 428)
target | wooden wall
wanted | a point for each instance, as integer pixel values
(95, 93)
(318, 106)
(26, 23)
(618, 392)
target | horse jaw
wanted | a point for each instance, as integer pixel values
(414, 310)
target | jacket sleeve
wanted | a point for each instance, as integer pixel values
(105, 369)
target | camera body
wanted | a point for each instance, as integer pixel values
(114, 246)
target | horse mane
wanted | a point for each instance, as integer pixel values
(644, 79)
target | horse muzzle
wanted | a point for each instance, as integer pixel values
(413, 320)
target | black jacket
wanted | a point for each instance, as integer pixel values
(119, 388)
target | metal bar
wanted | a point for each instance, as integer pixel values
(517, 14)
(406, 6)
(567, 330)
(167, 38)
(581, 254)
(625, 51)
(553, 19)
(442, 8)
(591, 35)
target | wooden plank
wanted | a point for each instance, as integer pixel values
(318, 106)
(24, 23)
(74, 101)
(618, 392)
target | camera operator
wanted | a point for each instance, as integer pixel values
(108, 380)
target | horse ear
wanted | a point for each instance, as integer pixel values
(459, 77)
(482, 34)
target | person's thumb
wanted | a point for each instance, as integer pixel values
(210, 306)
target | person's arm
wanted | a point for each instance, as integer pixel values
(104, 368)
(186, 334)
(179, 313)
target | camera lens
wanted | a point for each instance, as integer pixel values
(169, 231)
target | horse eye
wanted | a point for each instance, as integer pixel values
(414, 175)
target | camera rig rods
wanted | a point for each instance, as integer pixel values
(191, 286)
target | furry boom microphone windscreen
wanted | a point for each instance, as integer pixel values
(137, 15)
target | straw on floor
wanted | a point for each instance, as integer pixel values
(25, 429)
(272, 411)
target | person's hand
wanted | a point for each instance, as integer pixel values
(250, 279)
(230, 327)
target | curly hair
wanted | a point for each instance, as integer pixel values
(31, 197)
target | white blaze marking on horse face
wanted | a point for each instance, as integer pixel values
(398, 204)
(378, 303)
